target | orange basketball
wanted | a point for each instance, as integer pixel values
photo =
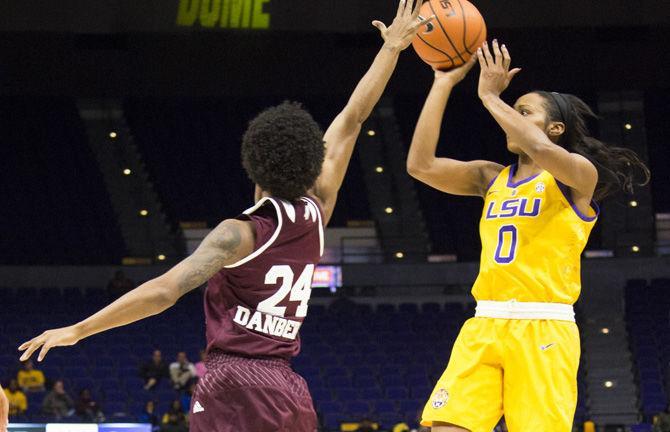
(453, 36)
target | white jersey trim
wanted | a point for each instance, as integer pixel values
(525, 310)
(263, 248)
(321, 235)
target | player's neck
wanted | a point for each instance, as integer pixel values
(526, 167)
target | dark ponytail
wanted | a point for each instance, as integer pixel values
(617, 167)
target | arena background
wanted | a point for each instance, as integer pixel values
(164, 89)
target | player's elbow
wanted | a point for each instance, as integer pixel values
(416, 168)
(165, 293)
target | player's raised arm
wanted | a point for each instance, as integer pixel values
(342, 134)
(448, 175)
(571, 169)
(229, 242)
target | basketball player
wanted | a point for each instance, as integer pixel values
(260, 264)
(519, 355)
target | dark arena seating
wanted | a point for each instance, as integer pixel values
(648, 320)
(107, 364)
(54, 198)
(199, 140)
(359, 360)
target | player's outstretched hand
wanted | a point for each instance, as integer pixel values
(406, 24)
(64, 336)
(495, 75)
(454, 76)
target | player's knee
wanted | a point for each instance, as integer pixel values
(447, 427)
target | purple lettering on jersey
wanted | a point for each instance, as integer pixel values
(514, 207)
(509, 208)
(534, 211)
(509, 257)
(489, 214)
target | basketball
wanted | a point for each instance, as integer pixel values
(453, 36)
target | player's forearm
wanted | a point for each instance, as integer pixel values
(150, 298)
(371, 87)
(525, 134)
(428, 128)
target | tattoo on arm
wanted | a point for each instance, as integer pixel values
(218, 249)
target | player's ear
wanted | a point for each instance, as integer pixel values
(556, 129)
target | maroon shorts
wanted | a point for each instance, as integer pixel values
(238, 394)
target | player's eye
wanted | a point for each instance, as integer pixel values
(524, 112)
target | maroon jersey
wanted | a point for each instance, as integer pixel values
(255, 307)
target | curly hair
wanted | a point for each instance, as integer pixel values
(283, 150)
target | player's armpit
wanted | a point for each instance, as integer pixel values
(228, 243)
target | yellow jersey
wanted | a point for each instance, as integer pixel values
(532, 239)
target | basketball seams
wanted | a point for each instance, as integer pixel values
(465, 27)
(430, 4)
(428, 45)
(436, 49)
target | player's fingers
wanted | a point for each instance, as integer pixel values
(409, 9)
(417, 8)
(507, 59)
(43, 352)
(422, 22)
(513, 73)
(487, 54)
(380, 25)
(481, 58)
(30, 350)
(25, 345)
(497, 53)
(401, 8)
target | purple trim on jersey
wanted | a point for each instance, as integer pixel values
(512, 171)
(491, 183)
(565, 190)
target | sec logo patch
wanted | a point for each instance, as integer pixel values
(539, 187)
(440, 399)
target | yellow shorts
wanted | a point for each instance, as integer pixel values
(524, 369)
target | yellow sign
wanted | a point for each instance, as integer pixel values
(234, 14)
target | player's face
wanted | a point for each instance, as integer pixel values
(531, 107)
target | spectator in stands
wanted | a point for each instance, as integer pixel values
(119, 285)
(401, 427)
(174, 420)
(18, 403)
(88, 409)
(201, 367)
(153, 370)
(589, 426)
(57, 404)
(662, 421)
(182, 372)
(29, 378)
(4, 408)
(149, 416)
(366, 426)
